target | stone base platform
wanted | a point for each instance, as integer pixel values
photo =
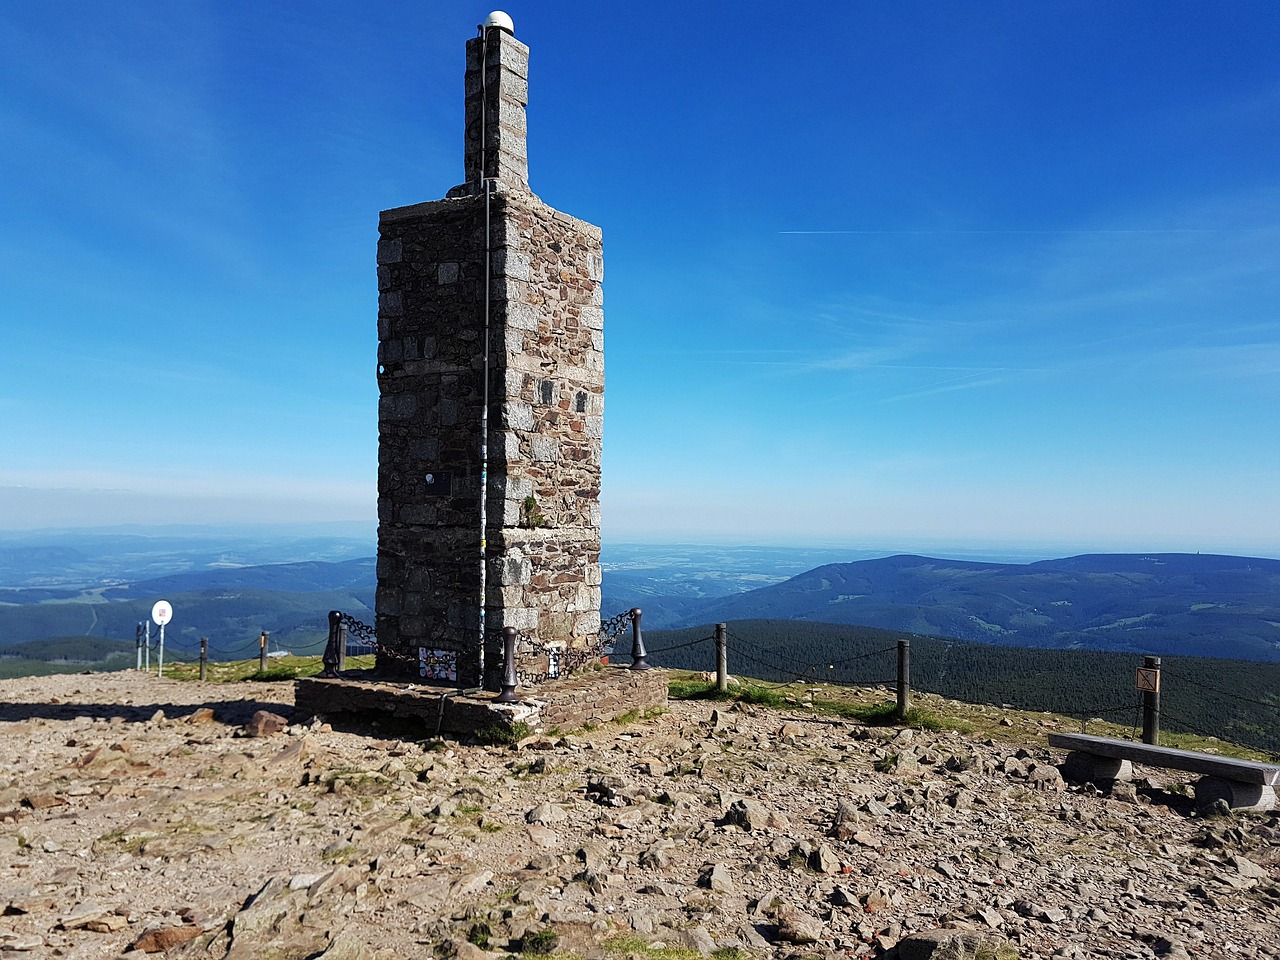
(589, 696)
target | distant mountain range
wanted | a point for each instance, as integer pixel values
(1188, 604)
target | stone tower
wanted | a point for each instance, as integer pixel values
(521, 544)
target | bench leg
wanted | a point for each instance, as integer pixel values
(1238, 796)
(1081, 767)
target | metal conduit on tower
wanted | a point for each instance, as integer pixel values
(484, 412)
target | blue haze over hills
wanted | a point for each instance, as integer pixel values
(231, 586)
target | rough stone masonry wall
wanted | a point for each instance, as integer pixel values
(553, 420)
(430, 282)
(546, 424)
(599, 696)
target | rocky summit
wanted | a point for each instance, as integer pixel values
(140, 816)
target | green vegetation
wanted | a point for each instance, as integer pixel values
(541, 944)
(503, 734)
(827, 700)
(630, 945)
(38, 658)
(531, 514)
(279, 669)
(479, 935)
(1234, 700)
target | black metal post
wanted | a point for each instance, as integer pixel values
(639, 658)
(904, 678)
(332, 660)
(342, 646)
(1151, 705)
(722, 657)
(510, 679)
(204, 658)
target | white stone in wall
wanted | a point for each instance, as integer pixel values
(522, 618)
(519, 416)
(545, 449)
(508, 263)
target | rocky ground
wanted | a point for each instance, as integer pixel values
(139, 815)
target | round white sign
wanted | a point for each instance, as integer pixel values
(161, 613)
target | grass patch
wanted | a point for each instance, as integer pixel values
(279, 669)
(502, 734)
(540, 944)
(837, 701)
(341, 854)
(629, 945)
(690, 689)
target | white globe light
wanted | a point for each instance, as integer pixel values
(501, 21)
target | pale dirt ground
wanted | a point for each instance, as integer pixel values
(120, 805)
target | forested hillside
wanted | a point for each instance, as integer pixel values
(1232, 699)
(1186, 604)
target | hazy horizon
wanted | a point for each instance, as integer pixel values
(909, 273)
(989, 550)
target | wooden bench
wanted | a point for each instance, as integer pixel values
(1243, 784)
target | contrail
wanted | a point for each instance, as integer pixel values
(1025, 232)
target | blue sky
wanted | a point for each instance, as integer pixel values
(879, 274)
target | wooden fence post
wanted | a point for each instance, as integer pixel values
(262, 651)
(722, 657)
(1151, 704)
(904, 677)
(204, 658)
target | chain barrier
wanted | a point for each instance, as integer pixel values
(1221, 693)
(554, 659)
(561, 660)
(681, 646)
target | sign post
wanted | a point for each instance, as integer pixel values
(1149, 684)
(161, 613)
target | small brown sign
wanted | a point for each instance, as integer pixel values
(1149, 679)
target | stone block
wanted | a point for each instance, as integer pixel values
(1082, 767)
(545, 449)
(514, 570)
(518, 416)
(1237, 796)
(390, 251)
(391, 303)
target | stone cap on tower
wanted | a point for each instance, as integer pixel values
(497, 91)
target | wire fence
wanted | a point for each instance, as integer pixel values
(774, 667)
(1191, 704)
